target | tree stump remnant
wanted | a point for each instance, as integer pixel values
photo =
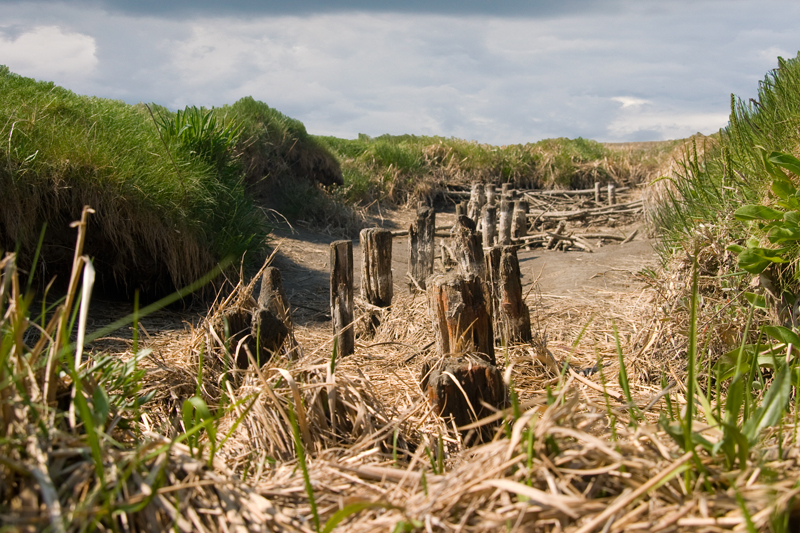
(519, 224)
(467, 247)
(506, 214)
(514, 314)
(421, 247)
(491, 194)
(273, 298)
(480, 381)
(489, 223)
(461, 313)
(342, 296)
(376, 268)
(477, 199)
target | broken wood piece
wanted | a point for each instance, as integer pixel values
(341, 262)
(556, 235)
(461, 313)
(477, 199)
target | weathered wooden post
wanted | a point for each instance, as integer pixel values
(493, 281)
(342, 295)
(491, 194)
(514, 314)
(612, 194)
(461, 208)
(461, 313)
(597, 192)
(476, 201)
(273, 298)
(505, 190)
(506, 214)
(519, 225)
(467, 247)
(421, 248)
(376, 268)
(489, 219)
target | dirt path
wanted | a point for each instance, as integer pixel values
(606, 275)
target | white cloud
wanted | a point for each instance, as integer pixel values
(662, 124)
(49, 53)
(629, 101)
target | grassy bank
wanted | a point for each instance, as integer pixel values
(173, 192)
(410, 166)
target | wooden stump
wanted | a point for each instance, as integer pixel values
(480, 381)
(514, 314)
(519, 225)
(467, 247)
(342, 295)
(273, 298)
(461, 312)
(597, 192)
(376, 268)
(612, 194)
(260, 333)
(493, 283)
(506, 214)
(505, 190)
(489, 224)
(461, 209)
(267, 333)
(421, 248)
(491, 194)
(477, 199)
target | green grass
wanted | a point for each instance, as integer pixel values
(165, 215)
(406, 166)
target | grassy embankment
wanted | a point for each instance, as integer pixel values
(173, 193)
(407, 166)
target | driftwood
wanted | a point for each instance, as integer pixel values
(376, 268)
(514, 314)
(421, 247)
(461, 313)
(342, 296)
(556, 235)
(630, 207)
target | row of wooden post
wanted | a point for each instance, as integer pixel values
(484, 294)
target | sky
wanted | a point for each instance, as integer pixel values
(495, 72)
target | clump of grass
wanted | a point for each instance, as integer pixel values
(166, 212)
